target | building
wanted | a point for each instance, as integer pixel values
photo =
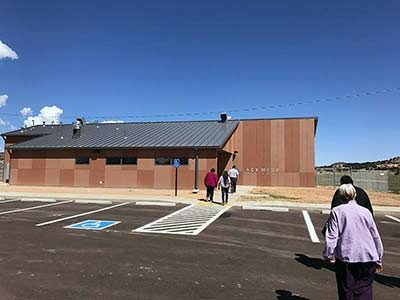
(267, 152)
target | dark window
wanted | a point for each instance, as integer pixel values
(82, 160)
(169, 161)
(113, 160)
(129, 160)
(162, 161)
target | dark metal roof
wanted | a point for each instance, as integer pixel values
(34, 130)
(185, 134)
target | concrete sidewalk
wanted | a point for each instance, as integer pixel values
(184, 197)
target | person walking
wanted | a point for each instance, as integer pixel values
(210, 181)
(353, 244)
(234, 176)
(224, 182)
(361, 197)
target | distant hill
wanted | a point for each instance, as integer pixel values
(389, 164)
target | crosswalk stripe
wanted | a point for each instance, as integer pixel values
(190, 220)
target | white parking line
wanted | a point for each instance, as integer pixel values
(34, 207)
(310, 226)
(82, 214)
(393, 218)
(6, 201)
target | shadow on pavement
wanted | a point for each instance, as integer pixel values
(226, 215)
(390, 281)
(316, 263)
(319, 264)
(286, 295)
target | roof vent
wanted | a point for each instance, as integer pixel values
(223, 116)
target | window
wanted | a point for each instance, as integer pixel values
(168, 161)
(121, 160)
(82, 160)
(162, 161)
(184, 160)
(113, 160)
(129, 160)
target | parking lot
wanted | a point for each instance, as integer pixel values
(240, 254)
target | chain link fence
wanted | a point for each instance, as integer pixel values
(382, 181)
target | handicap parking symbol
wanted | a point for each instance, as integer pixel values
(93, 224)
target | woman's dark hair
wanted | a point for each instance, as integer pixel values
(212, 170)
(346, 180)
(225, 176)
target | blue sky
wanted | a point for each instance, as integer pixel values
(117, 58)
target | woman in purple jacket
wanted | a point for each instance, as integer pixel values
(353, 243)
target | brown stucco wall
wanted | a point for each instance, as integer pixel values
(270, 153)
(274, 152)
(58, 168)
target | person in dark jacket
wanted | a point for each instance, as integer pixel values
(361, 198)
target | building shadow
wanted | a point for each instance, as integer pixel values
(319, 264)
(286, 295)
(226, 215)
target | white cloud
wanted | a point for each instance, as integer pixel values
(113, 121)
(3, 100)
(47, 114)
(26, 111)
(7, 52)
(6, 123)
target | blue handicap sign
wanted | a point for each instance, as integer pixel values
(176, 162)
(93, 224)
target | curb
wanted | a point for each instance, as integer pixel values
(93, 201)
(38, 200)
(155, 203)
(269, 208)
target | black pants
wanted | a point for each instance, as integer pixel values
(233, 184)
(225, 192)
(354, 280)
(210, 192)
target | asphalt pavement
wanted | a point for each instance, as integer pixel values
(243, 254)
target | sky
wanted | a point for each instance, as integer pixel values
(153, 60)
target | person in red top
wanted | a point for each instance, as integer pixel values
(210, 181)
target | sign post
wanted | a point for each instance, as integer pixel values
(176, 163)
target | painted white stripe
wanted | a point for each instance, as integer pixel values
(34, 207)
(326, 211)
(12, 200)
(38, 200)
(93, 201)
(393, 218)
(211, 220)
(190, 220)
(310, 226)
(155, 203)
(82, 214)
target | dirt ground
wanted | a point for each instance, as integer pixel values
(314, 195)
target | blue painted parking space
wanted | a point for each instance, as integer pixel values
(93, 224)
